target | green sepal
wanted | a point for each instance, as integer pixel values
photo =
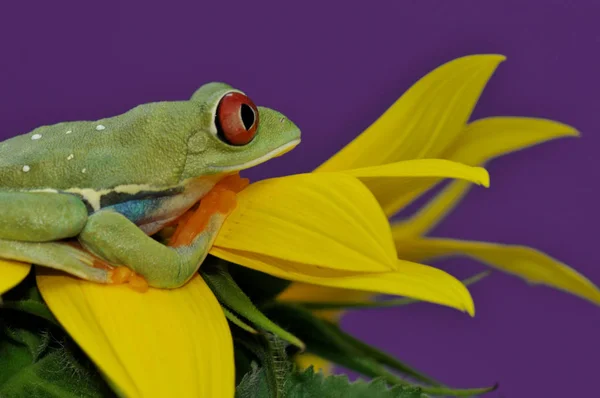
(238, 322)
(231, 296)
(353, 305)
(327, 340)
(309, 384)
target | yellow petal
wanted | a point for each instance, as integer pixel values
(486, 139)
(396, 184)
(409, 279)
(326, 221)
(302, 292)
(425, 120)
(528, 263)
(482, 141)
(319, 364)
(162, 343)
(11, 274)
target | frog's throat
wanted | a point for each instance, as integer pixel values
(273, 154)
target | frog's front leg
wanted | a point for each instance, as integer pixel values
(113, 237)
(32, 222)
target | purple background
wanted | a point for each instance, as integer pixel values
(333, 70)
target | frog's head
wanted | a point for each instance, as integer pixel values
(234, 134)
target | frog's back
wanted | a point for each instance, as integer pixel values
(144, 146)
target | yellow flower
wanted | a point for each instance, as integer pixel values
(325, 228)
(328, 230)
(431, 121)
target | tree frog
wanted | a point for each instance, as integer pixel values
(86, 197)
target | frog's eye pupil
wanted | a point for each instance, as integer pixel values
(247, 116)
(236, 119)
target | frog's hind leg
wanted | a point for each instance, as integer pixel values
(58, 255)
(112, 236)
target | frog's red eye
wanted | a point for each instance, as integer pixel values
(237, 119)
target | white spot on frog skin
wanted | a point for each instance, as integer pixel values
(26, 168)
(69, 132)
(71, 156)
(100, 127)
(36, 136)
(83, 170)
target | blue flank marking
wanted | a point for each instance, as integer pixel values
(138, 210)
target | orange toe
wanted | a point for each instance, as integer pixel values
(138, 283)
(120, 275)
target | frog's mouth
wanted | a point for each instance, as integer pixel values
(269, 155)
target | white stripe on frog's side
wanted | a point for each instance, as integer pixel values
(94, 196)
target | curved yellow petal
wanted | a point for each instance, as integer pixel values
(11, 274)
(482, 141)
(525, 262)
(488, 138)
(162, 343)
(397, 184)
(425, 120)
(327, 221)
(408, 279)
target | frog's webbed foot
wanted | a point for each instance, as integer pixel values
(62, 256)
(121, 274)
(71, 258)
(113, 237)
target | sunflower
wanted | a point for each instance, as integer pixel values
(327, 231)
(431, 120)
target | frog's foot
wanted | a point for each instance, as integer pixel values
(63, 256)
(116, 275)
(121, 275)
(220, 202)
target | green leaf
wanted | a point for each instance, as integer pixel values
(13, 358)
(230, 295)
(351, 305)
(26, 297)
(255, 384)
(55, 375)
(32, 307)
(270, 351)
(309, 384)
(328, 341)
(22, 342)
(243, 361)
(36, 343)
(37, 358)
